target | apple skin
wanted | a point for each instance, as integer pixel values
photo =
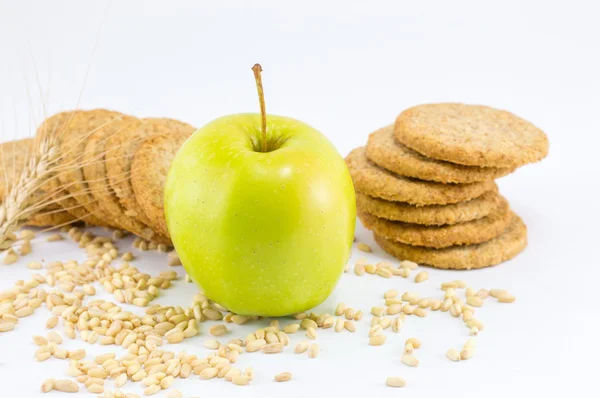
(262, 233)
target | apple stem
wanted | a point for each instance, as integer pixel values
(257, 69)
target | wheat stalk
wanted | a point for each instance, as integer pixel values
(19, 203)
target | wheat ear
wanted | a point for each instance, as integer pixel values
(19, 203)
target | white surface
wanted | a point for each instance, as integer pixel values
(348, 69)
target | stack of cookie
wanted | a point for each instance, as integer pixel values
(112, 170)
(425, 185)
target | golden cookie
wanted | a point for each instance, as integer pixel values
(466, 233)
(123, 146)
(68, 197)
(374, 181)
(94, 170)
(429, 215)
(502, 248)
(471, 135)
(385, 151)
(149, 170)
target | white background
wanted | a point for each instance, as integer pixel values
(347, 68)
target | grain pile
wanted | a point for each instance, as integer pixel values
(425, 185)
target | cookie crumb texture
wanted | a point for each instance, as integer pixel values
(471, 135)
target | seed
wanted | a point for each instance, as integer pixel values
(271, 337)
(212, 344)
(358, 315)
(311, 333)
(302, 347)
(48, 385)
(308, 323)
(55, 337)
(409, 265)
(349, 313)
(473, 331)
(471, 343)
(121, 380)
(6, 326)
(313, 351)
(470, 292)
(39, 340)
(350, 326)
(466, 353)
(95, 389)
(395, 382)
(453, 355)
(420, 312)
(474, 301)
(291, 328)
(240, 380)
(363, 247)
(359, 269)
(495, 293)
(65, 385)
(394, 309)
(174, 393)
(475, 323)
(167, 382)
(377, 311)
(176, 337)
(218, 330)
(255, 345)
(408, 348)
(397, 324)
(378, 339)
(273, 348)
(55, 238)
(414, 341)
(392, 293)
(384, 273)
(281, 377)
(208, 373)
(23, 312)
(340, 309)
(284, 338)
(10, 258)
(421, 277)
(506, 298)
(370, 269)
(339, 325)
(153, 389)
(385, 322)
(409, 360)
(34, 265)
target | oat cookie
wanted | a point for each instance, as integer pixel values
(123, 146)
(385, 151)
(94, 170)
(502, 248)
(149, 170)
(429, 215)
(466, 233)
(374, 181)
(471, 135)
(59, 124)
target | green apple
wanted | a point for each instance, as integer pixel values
(262, 219)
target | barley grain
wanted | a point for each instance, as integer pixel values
(364, 247)
(453, 355)
(409, 360)
(395, 382)
(283, 377)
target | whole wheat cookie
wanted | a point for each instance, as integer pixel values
(471, 135)
(123, 146)
(75, 137)
(429, 215)
(380, 183)
(385, 151)
(94, 171)
(57, 125)
(14, 156)
(466, 233)
(502, 248)
(149, 170)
